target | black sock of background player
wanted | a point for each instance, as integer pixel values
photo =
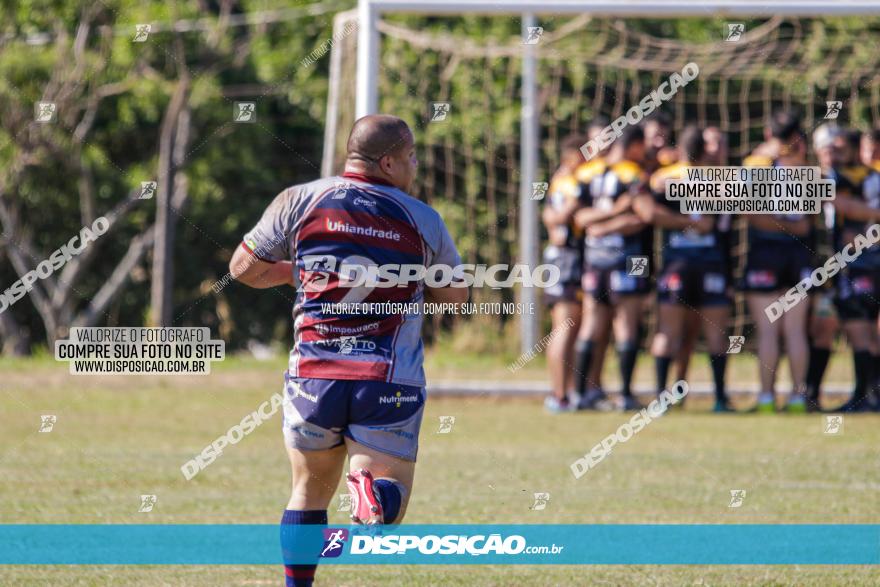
(864, 369)
(661, 368)
(583, 358)
(816, 371)
(719, 365)
(627, 353)
(874, 386)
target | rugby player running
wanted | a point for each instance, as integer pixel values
(355, 384)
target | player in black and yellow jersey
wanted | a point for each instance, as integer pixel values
(779, 256)
(869, 150)
(695, 277)
(564, 250)
(857, 207)
(614, 282)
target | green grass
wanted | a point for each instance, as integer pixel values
(119, 437)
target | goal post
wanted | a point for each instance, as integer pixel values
(529, 12)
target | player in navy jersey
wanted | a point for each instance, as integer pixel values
(614, 281)
(695, 274)
(355, 385)
(780, 254)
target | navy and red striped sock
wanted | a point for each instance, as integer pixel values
(299, 575)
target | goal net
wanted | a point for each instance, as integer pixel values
(589, 66)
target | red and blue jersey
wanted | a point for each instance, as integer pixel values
(327, 225)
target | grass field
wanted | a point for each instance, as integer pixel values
(119, 437)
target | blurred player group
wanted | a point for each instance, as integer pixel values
(622, 249)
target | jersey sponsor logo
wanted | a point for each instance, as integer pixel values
(359, 201)
(398, 399)
(298, 391)
(714, 283)
(760, 278)
(862, 285)
(340, 226)
(326, 329)
(621, 282)
(349, 345)
(671, 282)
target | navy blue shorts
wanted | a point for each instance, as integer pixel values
(692, 283)
(858, 294)
(384, 416)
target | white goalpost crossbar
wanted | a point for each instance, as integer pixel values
(367, 88)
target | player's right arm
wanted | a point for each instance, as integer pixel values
(253, 272)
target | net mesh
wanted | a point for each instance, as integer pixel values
(590, 66)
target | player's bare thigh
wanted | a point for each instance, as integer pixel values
(315, 476)
(382, 465)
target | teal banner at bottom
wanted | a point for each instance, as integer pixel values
(419, 544)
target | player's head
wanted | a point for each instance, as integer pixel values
(691, 145)
(570, 155)
(869, 149)
(823, 144)
(658, 131)
(845, 148)
(598, 124)
(631, 144)
(715, 150)
(383, 146)
(785, 128)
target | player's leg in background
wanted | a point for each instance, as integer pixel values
(589, 348)
(688, 344)
(824, 326)
(315, 476)
(768, 346)
(393, 478)
(565, 318)
(667, 341)
(715, 321)
(861, 335)
(627, 314)
(794, 330)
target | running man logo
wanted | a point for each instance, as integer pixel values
(439, 111)
(147, 503)
(833, 424)
(541, 501)
(832, 109)
(734, 31)
(636, 266)
(344, 502)
(245, 112)
(341, 188)
(148, 190)
(141, 32)
(539, 190)
(47, 422)
(334, 539)
(737, 497)
(317, 270)
(45, 112)
(446, 424)
(533, 35)
(347, 344)
(735, 344)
